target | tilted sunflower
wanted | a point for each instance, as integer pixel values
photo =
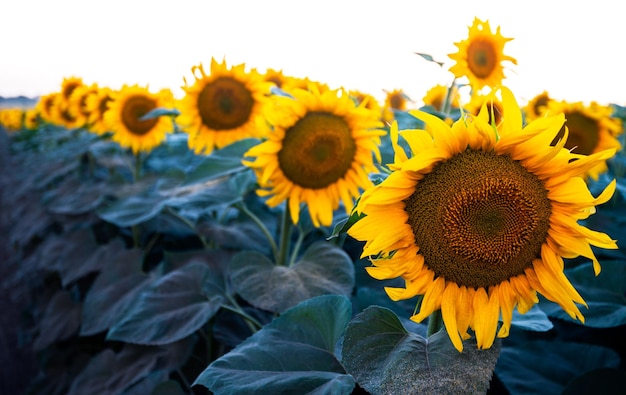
(223, 106)
(395, 100)
(123, 117)
(591, 129)
(369, 101)
(97, 105)
(478, 221)
(319, 152)
(492, 104)
(536, 106)
(45, 106)
(479, 56)
(436, 97)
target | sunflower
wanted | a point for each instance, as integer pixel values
(479, 57)
(536, 106)
(491, 102)
(319, 152)
(395, 100)
(478, 220)
(11, 118)
(131, 103)
(591, 129)
(97, 104)
(77, 102)
(436, 97)
(367, 100)
(45, 106)
(31, 118)
(223, 106)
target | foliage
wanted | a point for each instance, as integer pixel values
(171, 284)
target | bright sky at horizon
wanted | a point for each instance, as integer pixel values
(568, 48)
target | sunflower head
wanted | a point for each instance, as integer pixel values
(395, 100)
(365, 99)
(45, 106)
(492, 105)
(536, 106)
(478, 219)
(223, 106)
(436, 97)
(319, 152)
(479, 57)
(123, 117)
(68, 86)
(591, 129)
(97, 104)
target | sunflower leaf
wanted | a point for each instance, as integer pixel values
(220, 163)
(548, 366)
(385, 358)
(159, 112)
(429, 58)
(603, 294)
(172, 308)
(132, 210)
(323, 269)
(344, 224)
(292, 354)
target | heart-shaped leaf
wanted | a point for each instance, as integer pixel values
(385, 358)
(111, 373)
(323, 269)
(60, 320)
(113, 290)
(132, 210)
(292, 354)
(171, 308)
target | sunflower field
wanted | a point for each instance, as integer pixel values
(270, 234)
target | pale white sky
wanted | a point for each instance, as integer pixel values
(571, 48)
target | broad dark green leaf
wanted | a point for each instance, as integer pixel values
(74, 197)
(76, 259)
(171, 308)
(132, 210)
(546, 367)
(111, 373)
(148, 384)
(603, 294)
(323, 269)
(385, 358)
(169, 387)
(60, 320)
(220, 163)
(533, 320)
(293, 354)
(113, 290)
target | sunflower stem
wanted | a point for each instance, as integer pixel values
(447, 103)
(296, 247)
(263, 228)
(435, 322)
(252, 323)
(135, 230)
(138, 165)
(285, 236)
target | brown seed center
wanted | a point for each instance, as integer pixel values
(224, 104)
(479, 218)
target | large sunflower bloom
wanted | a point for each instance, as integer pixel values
(123, 117)
(223, 106)
(479, 219)
(45, 106)
(591, 129)
(319, 152)
(479, 56)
